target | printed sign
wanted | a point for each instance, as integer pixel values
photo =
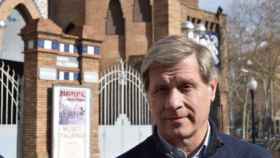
(71, 122)
(63, 61)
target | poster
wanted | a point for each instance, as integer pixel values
(71, 122)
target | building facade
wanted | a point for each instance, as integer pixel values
(92, 35)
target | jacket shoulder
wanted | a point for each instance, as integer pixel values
(142, 150)
(243, 149)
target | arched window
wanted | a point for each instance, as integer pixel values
(115, 20)
(142, 11)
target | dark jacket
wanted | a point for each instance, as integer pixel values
(220, 146)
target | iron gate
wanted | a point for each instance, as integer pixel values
(124, 115)
(9, 109)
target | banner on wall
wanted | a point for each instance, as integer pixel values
(71, 122)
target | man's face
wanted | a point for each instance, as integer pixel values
(179, 99)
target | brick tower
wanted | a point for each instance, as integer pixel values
(125, 27)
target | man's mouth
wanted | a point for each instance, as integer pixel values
(179, 118)
(175, 118)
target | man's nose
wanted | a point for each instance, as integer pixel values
(174, 100)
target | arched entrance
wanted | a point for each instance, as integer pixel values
(27, 9)
(124, 115)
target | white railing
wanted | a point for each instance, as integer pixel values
(9, 96)
(122, 92)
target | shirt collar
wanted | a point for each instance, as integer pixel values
(178, 153)
(205, 143)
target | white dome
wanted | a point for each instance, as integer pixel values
(201, 28)
(187, 25)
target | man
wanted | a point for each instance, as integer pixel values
(181, 80)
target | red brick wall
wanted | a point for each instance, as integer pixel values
(190, 3)
(138, 36)
(63, 12)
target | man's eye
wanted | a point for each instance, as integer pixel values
(186, 87)
(161, 90)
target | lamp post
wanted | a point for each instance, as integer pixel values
(252, 86)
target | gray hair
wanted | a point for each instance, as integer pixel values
(171, 49)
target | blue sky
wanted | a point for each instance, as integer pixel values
(212, 5)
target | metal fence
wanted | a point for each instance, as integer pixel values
(124, 115)
(10, 128)
(122, 92)
(9, 95)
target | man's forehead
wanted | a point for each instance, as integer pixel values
(185, 63)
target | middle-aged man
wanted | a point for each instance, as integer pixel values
(181, 80)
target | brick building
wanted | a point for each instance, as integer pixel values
(94, 35)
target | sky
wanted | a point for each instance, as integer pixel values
(9, 50)
(212, 5)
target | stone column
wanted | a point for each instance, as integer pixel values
(166, 18)
(36, 118)
(90, 66)
(160, 19)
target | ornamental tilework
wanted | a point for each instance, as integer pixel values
(61, 47)
(97, 50)
(47, 44)
(68, 75)
(55, 45)
(64, 47)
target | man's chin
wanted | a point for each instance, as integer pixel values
(175, 136)
(180, 133)
(180, 130)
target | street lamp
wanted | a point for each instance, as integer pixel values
(2, 24)
(252, 86)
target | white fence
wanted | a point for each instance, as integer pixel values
(8, 143)
(124, 115)
(120, 137)
(9, 109)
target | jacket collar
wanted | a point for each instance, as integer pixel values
(214, 143)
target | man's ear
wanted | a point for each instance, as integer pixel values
(212, 89)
